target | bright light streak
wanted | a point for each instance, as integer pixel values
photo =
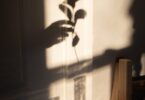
(143, 64)
(112, 30)
(55, 56)
(63, 54)
(107, 25)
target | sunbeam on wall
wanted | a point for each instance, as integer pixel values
(73, 49)
(112, 24)
(55, 56)
(93, 26)
(52, 14)
(113, 30)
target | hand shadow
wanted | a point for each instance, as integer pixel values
(54, 34)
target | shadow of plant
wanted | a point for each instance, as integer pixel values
(68, 9)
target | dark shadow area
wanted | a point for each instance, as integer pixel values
(10, 49)
(34, 40)
(52, 35)
(37, 77)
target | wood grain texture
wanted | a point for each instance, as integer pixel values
(122, 80)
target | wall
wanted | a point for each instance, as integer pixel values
(118, 32)
(71, 59)
(113, 31)
(52, 67)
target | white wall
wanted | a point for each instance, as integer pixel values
(107, 26)
(63, 54)
(112, 31)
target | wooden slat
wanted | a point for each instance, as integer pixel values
(122, 80)
(115, 83)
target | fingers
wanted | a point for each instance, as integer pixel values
(65, 32)
(67, 29)
(62, 37)
(63, 22)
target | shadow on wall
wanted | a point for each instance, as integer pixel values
(55, 33)
(133, 52)
(137, 48)
(34, 44)
(52, 35)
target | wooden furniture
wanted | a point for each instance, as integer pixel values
(121, 89)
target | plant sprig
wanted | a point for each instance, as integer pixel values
(68, 9)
